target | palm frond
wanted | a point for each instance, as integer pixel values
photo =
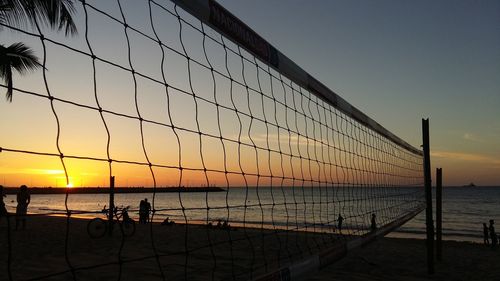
(4, 10)
(55, 13)
(66, 20)
(17, 57)
(12, 13)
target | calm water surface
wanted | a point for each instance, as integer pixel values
(464, 208)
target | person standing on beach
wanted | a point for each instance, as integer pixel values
(23, 200)
(373, 225)
(340, 219)
(3, 210)
(142, 208)
(485, 234)
(493, 235)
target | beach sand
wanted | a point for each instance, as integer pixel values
(406, 259)
(39, 251)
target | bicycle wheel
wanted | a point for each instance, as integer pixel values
(128, 227)
(96, 228)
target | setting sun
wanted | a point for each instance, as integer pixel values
(70, 185)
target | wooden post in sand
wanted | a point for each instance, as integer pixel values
(111, 204)
(439, 211)
(428, 197)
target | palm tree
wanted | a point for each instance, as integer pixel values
(55, 13)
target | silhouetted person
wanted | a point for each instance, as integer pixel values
(142, 212)
(373, 224)
(3, 210)
(340, 219)
(485, 234)
(23, 200)
(493, 235)
(125, 216)
(168, 222)
(147, 210)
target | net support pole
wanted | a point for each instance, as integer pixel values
(111, 204)
(439, 212)
(428, 197)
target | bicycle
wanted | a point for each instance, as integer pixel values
(97, 227)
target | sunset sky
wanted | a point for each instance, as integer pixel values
(397, 61)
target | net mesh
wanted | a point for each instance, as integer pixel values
(260, 172)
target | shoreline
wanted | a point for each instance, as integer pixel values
(397, 233)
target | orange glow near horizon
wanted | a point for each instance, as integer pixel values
(45, 171)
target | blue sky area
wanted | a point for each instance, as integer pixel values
(400, 61)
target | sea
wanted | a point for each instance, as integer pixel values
(465, 209)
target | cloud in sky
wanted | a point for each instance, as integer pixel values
(472, 157)
(30, 171)
(471, 137)
(283, 140)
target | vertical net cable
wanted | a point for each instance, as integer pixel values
(289, 144)
(61, 155)
(165, 84)
(228, 213)
(270, 163)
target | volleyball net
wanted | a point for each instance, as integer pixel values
(254, 169)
